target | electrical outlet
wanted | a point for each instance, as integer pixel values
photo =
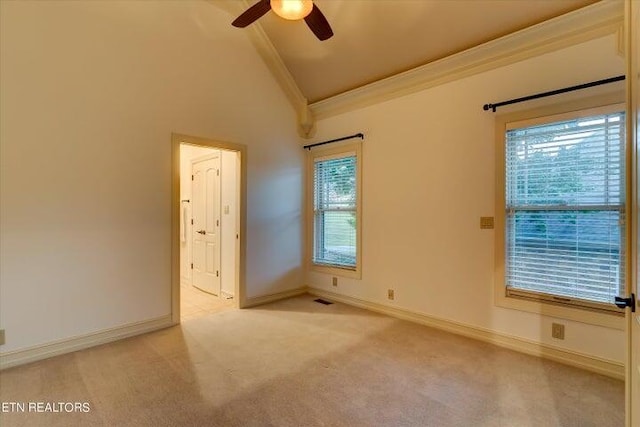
(391, 294)
(486, 222)
(1, 336)
(335, 281)
(557, 331)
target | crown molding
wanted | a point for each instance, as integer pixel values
(275, 64)
(591, 22)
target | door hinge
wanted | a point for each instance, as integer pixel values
(191, 177)
(192, 266)
(218, 222)
(217, 273)
(218, 172)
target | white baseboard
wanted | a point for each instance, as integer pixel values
(599, 365)
(264, 299)
(44, 351)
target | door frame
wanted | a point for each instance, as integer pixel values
(632, 50)
(239, 299)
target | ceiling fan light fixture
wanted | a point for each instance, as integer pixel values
(292, 9)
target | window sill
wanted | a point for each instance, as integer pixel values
(608, 320)
(336, 271)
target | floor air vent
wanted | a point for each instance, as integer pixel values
(323, 301)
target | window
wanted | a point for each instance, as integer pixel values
(564, 209)
(335, 209)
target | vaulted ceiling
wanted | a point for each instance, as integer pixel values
(375, 39)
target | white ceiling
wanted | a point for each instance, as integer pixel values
(379, 38)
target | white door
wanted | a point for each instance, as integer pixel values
(206, 224)
(633, 318)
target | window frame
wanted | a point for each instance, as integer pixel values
(337, 150)
(528, 301)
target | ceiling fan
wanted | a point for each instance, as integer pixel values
(288, 9)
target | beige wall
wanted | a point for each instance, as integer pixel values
(428, 176)
(90, 94)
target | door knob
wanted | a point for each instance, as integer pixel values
(201, 232)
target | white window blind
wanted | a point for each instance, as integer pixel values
(565, 196)
(335, 199)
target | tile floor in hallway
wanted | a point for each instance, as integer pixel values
(195, 303)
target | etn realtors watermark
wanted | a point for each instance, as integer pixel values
(45, 407)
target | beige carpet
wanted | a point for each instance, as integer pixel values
(300, 363)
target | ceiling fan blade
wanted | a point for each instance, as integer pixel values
(318, 24)
(252, 14)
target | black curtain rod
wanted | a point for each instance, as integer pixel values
(493, 107)
(357, 135)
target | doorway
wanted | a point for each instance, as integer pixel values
(208, 212)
